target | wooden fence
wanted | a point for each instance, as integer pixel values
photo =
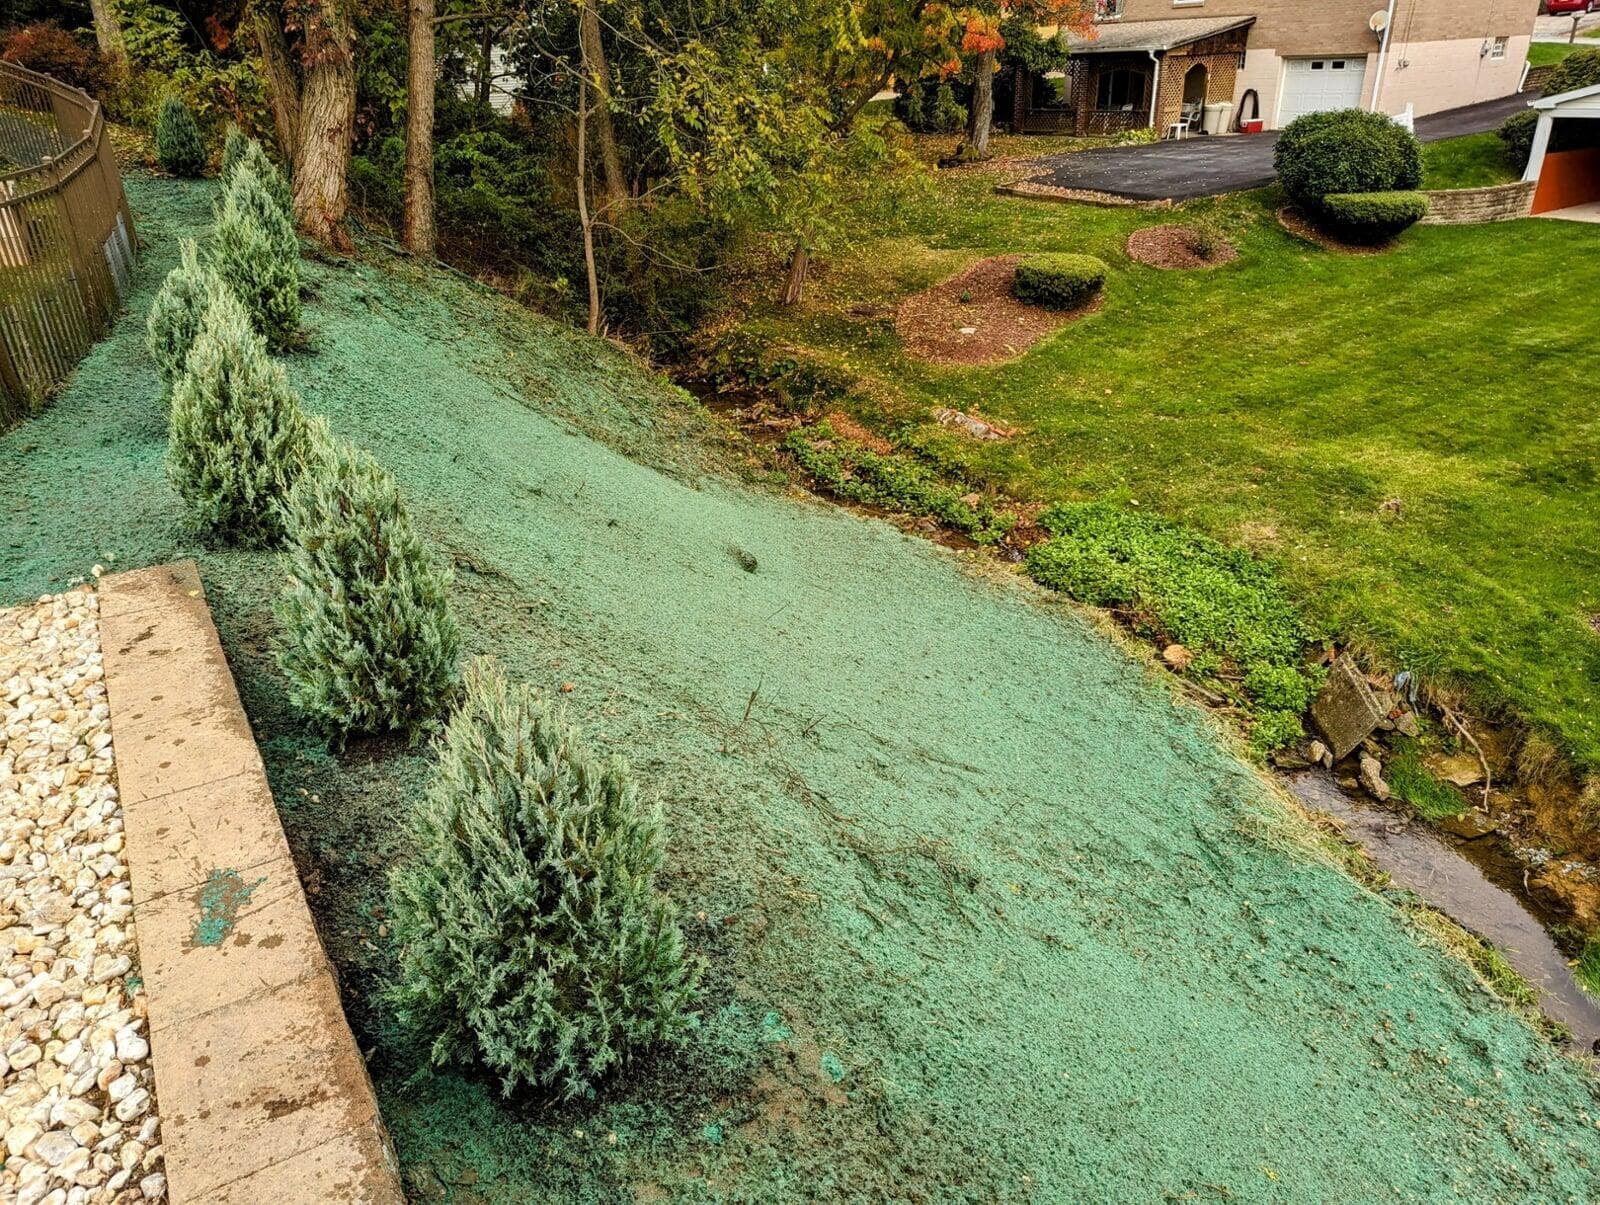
(66, 236)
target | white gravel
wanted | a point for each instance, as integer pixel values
(77, 1094)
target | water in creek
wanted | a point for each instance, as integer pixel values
(1466, 890)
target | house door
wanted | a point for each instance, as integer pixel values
(1316, 85)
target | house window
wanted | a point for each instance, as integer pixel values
(1119, 88)
(1109, 10)
(1498, 50)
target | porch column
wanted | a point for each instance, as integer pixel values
(1541, 143)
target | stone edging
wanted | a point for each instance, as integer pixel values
(264, 1095)
(1472, 206)
(1034, 190)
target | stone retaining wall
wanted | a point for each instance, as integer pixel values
(264, 1094)
(1472, 206)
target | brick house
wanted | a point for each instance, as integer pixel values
(1278, 59)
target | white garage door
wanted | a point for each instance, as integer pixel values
(1313, 85)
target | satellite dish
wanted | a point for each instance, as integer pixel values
(1379, 21)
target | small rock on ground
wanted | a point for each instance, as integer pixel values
(76, 1086)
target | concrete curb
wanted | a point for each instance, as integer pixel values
(262, 1091)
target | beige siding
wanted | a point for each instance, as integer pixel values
(1303, 27)
(1436, 49)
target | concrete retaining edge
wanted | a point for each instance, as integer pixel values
(262, 1091)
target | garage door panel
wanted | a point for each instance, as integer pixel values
(1316, 85)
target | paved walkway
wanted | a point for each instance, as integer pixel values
(265, 1096)
(1559, 29)
(1205, 167)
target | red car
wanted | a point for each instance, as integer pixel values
(1561, 8)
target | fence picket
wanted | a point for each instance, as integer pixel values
(67, 244)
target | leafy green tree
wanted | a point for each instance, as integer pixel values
(368, 642)
(254, 250)
(179, 147)
(238, 440)
(533, 939)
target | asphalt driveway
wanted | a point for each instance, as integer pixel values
(1204, 167)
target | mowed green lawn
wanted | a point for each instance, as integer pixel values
(1471, 161)
(1545, 54)
(1412, 436)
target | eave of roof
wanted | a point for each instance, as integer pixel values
(1122, 36)
(1578, 97)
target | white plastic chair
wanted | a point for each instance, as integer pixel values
(1188, 115)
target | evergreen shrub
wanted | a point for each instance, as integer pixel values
(368, 642)
(533, 939)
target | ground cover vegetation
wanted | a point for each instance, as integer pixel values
(1313, 417)
(859, 741)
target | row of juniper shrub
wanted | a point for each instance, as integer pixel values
(533, 940)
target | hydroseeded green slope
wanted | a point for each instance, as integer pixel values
(987, 915)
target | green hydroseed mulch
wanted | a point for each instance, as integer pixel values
(988, 916)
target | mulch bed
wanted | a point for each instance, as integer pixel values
(989, 327)
(1297, 224)
(1170, 247)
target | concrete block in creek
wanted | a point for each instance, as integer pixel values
(1346, 711)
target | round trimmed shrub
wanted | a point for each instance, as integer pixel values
(1372, 217)
(533, 940)
(178, 312)
(1059, 282)
(368, 643)
(1345, 151)
(255, 251)
(238, 440)
(179, 147)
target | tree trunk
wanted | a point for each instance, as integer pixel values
(327, 120)
(981, 118)
(598, 72)
(419, 228)
(108, 35)
(799, 267)
(485, 63)
(283, 88)
(583, 206)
